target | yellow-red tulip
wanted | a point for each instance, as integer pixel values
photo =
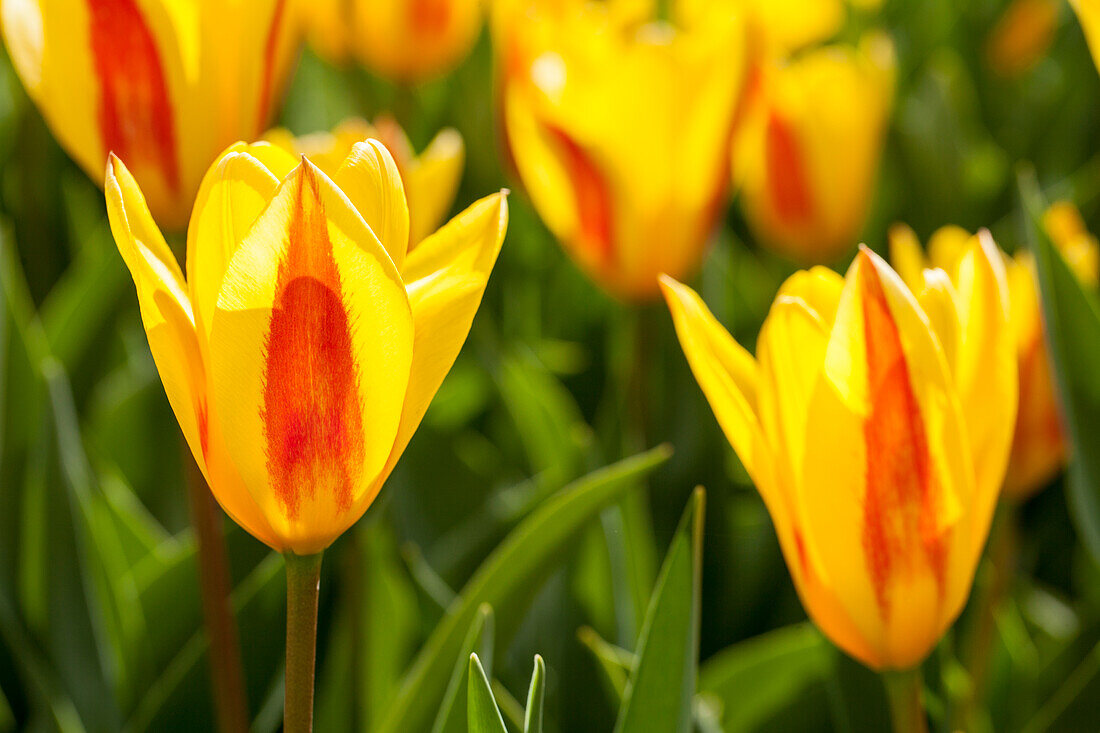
(805, 160)
(618, 125)
(1022, 36)
(1038, 444)
(430, 178)
(1089, 13)
(302, 350)
(164, 85)
(403, 40)
(876, 424)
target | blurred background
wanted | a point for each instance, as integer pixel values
(100, 619)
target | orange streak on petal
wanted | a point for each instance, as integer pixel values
(899, 509)
(311, 412)
(787, 182)
(135, 115)
(592, 198)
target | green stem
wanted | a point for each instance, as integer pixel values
(226, 674)
(303, 581)
(905, 690)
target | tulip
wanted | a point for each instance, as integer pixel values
(1039, 442)
(787, 25)
(1022, 36)
(164, 85)
(302, 350)
(875, 422)
(1088, 11)
(430, 179)
(805, 159)
(618, 125)
(402, 40)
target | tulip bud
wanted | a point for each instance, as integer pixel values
(301, 352)
(618, 126)
(806, 157)
(164, 89)
(1022, 36)
(875, 422)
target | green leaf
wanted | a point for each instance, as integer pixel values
(615, 662)
(508, 578)
(764, 683)
(532, 721)
(660, 691)
(452, 716)
(483, 714)
(1072, 318)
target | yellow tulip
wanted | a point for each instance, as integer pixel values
(302, 350)
(403, 40)
(1022, 36)
(1088, 11)
(787, 25)
(805, 160)
(876, 424)
(165, 85)
(618, 125)
(1038, 444)
(430, 179)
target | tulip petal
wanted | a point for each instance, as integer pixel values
(370, 179)
(445, 277)
(939, 300)
(234, 192)
(886, 468)
(431, 184)
(311, 347)
(728, 376)
(989, 397)
(907, 256)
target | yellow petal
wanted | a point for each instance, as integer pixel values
(369, 178)
(728, 376)
(445, 277)
(986, 375)
(907, 256)
(1088, 11)
(939, 300)
(310, 350)
(431, 184)
(234, 192)
(886, 468)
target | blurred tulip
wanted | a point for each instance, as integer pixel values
(788, 25)
(807, 155)
(164, 85)
(1088, 11)
(875, 423)
(305, 345)
(406, 41)
(430, 179)
(1039, 444)
(1022, 36)
(618, 125)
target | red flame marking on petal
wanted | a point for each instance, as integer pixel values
(786, 172)
(311, 413)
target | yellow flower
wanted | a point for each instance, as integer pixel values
(430, 179)
(1022, 36)
(305, 345)
(806, 158)
(1038, 444)
(1088, 11)
(787, 25)
(875, 423)
(618, 125)
(165, 85)
(403, 40)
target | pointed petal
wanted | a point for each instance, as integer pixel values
(369, 178)
(310, 353)
(445, 277)
(432, 182)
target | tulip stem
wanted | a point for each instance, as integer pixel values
(226, 675)
(905, 690)
(303, 582)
